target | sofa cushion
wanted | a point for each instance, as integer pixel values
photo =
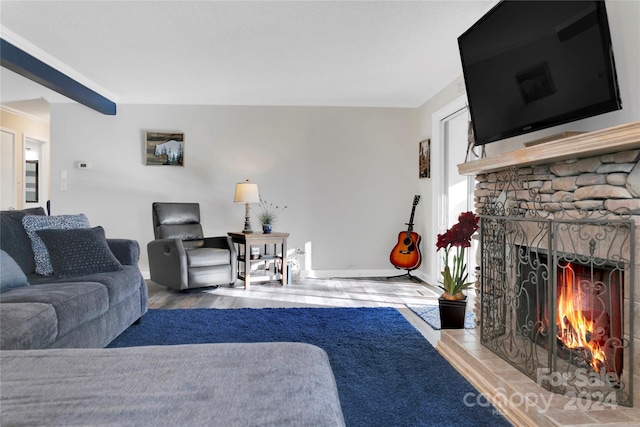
(79, 252)
(15, 240)
(74, 303)
(263, 384)
(120, 284)
(27, 325)
(11, 275)
(33, 223)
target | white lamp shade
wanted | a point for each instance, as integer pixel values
(247, 192)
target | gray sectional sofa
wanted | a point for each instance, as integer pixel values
(275, 384)
(75, 310)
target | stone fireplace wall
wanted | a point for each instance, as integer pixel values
(607, 184)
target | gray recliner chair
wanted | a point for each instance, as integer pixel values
(181, 257)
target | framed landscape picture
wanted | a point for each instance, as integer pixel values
(163, 148)
(425, 159)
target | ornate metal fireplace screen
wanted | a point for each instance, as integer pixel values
(552, 291)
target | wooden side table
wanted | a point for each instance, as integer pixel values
(268, 254)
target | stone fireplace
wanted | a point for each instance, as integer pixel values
(556, 296)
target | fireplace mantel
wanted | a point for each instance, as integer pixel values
(610, 140)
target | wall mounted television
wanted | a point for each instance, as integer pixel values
(531, 65)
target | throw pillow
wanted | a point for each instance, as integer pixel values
(33, 223)
(79, 252)
(11, 275)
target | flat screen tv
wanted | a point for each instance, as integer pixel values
(530, 65)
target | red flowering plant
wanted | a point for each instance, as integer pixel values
(454, 279)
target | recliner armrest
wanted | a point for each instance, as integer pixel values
(224, 242)
(168, 262)
(221, 242)
(127, 251)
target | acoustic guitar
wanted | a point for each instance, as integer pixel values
(406, 253)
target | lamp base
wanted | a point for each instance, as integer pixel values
(247, 226)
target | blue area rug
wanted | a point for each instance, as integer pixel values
(431, 315)
(387, 373)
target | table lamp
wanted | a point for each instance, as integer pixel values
(247, 192)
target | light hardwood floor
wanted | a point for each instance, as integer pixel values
(334, 292)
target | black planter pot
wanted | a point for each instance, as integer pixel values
(452, 313)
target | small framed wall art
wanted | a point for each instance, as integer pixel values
(425, 159)
(164, 148)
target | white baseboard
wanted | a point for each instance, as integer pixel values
(327, 274)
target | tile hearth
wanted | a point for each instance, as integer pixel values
(518, 398)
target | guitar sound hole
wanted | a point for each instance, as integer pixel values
(407, 241)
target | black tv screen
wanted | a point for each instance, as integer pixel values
(530, 65)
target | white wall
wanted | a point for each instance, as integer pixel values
(348, 175)
(429, 194)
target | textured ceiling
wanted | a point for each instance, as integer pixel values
(316, 53)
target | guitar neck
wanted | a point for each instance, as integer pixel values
(416, 200)
(410, 228)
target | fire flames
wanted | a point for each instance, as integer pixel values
(575, 329)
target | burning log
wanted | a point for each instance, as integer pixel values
(569, 334)
(588, 350)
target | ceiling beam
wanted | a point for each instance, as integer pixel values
(20, 62)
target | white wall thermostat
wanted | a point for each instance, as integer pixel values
(83, 165)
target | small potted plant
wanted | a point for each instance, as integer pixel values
(453, 301)
(268, 214)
